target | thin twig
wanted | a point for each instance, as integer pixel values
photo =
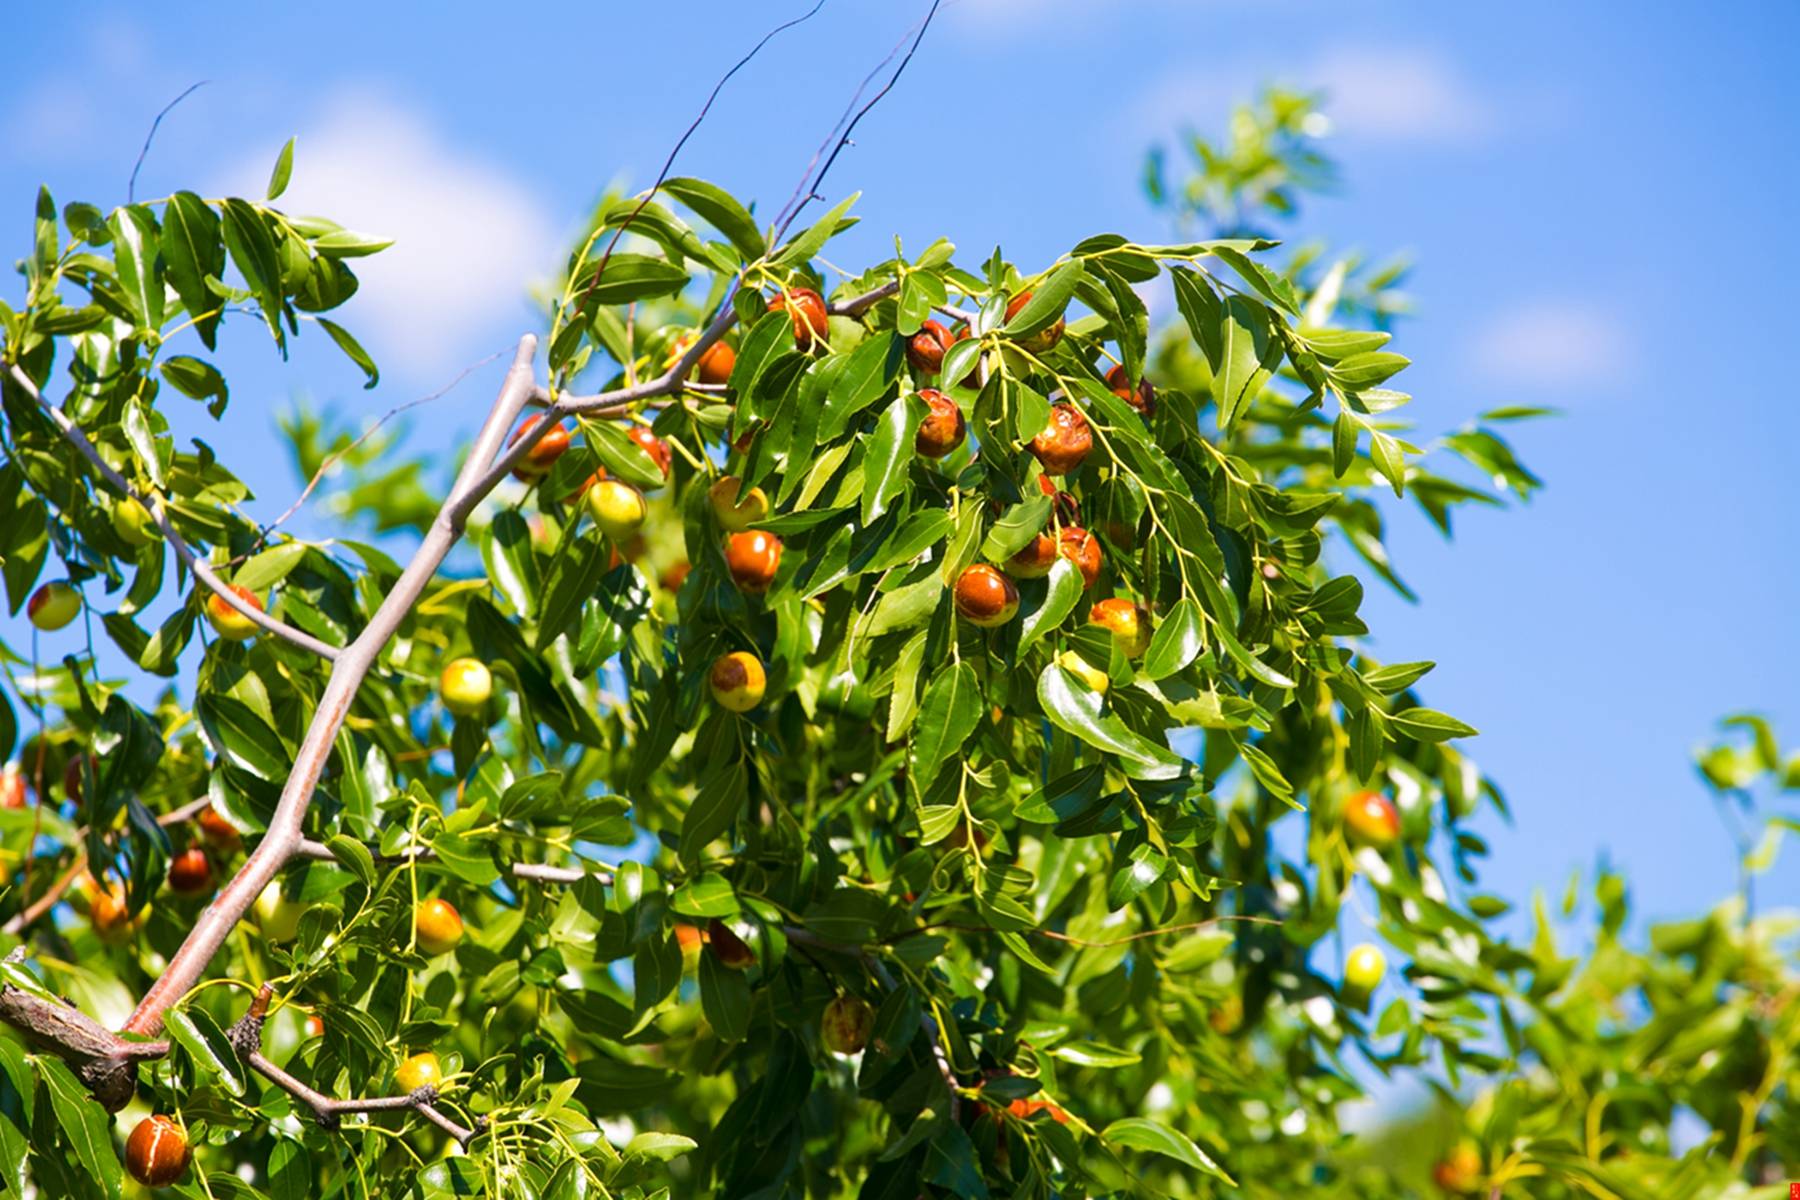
(158, 513)
(22, 919)
(131, 184)
(537, 872)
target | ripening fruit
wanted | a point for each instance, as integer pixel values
(190, 872)
(1064, 442)
(943, 428)
(1029, 1106)
(1083, 549)
(1458, 1171)
(543, 453)
(985, 597)
(133, 523)
(12, 787)
(110, 915)
(675, 574)
(655, 447)
(806, 309)
(617, 508)
(216, 830)
(231, 624)
(846, 1024)
(315, 1025)
(1044, 338)
(925, 349)
(1142, 397)
(421, 1070)
(465, 686)
(1364, 968)
(53, 606)
(727, 947)
(1372, 819)
(1083, 670)
(74, 773)
(714, 364)
(690, 938)
(278, 916)
(157, 1152)
(1035, 560)
(737, 512)
(753, 558)
(737, 680)
(1129, 623)
(437, 926)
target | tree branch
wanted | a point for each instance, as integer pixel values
(347, 673)
(536, 872)
(202, 570)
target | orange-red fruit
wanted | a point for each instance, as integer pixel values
(216, 830)
(12, 787)
(157, 1152)
(675, 574)
(1372, 819)
(690, 938)
(985, 597)
(1030, 1106)
(753, 557)
(437, 926)
(925, 349)
(806, 309)
(714, 364)
(738, 681)
(1142, 397)
(1064, 442)
(315, 1025)
(1083, 549)
(1459, 1171)
(1128, 622)
(654, 446)
(228, 621)
(1035, 560)
(726, 946)
(1044, 338)
(543, 453)
(190, 872)
(846, 1024)
(72, 775)
(943, 428)
(111, 918)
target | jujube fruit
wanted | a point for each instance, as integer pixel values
(276, 914)
(735, 508)
(925, 349)
(1142, 397)
(1372, 819)
(806, 309)
(1083, 549)
(737, 680)
(943, 428)
(655, 447)
(753, 557)
(231, 624)
(1458, 1171)
(617, 508)
(12, 787)
(437, 926)
(133, 522)
(421, 1070)
(1028, 1107)
(465, 685)
(714, 364)
(190, 872)
(985, 597)
(156, 1153)
(1034, 560)
(1043, 339)
(846, 1024)
(1064, 443)
(727, 947)
(1129, 624)
(216, 830)
(537, 461)
(1364, 968)
(53, 606)
(1083, 670)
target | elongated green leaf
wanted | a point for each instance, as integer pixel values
(725, 999)
(136, 241)
(1249, 352)
(197, 1033)
(241, 737)
(1177, 641)
(1015, 529)
(252, 250)
(353, 348)
(269, 568)
(629, 277)
(1062, 593)
(85, 1125)
(1079, 711)
(948, 713)
(890, 454)
(574, 577)
(721, 210)
(512, 562)
(348, 243)
(813, 240)
(284, 170)
(1140, 1133)
(1093, 1054)
(192, 250)
(1048, 300)
(1429, 725)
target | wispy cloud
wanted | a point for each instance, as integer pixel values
(1553, 343)
(468, 235)
(1396, 94)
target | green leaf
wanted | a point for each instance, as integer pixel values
(1062, 592)
(290, 1171)
(353, 348)
(707, 895)
(1397, 677)
(1249, 352)
(574, 578)
(712, 812)
(252, 249)
(1015, 529)
(197, 1033)
(1048, 300)
(1429, 725)
(1078, 710)
(191, 251)
(660, 1146)
(903, 705)
(18, 1092)
(802, 248)
(511, 561)
(1177, 641)
(1389, 459)
(1140, 1133)
(1369, 370)
(284, 169)
(890, 454)
(721, 210)
(135, 259)
(85, 1125)
(1267, 283)
(629, 277)
(724, 999)
(948, 713)
(354, 857)
(1093, 1054)
(270, 567)
(197, 380)
(241, 736)
(623, 458)
(348, 243)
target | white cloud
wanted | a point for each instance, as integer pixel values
(1553, 343)
(1409, 95)
(468, 236)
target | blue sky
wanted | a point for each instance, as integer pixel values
(1596, 197)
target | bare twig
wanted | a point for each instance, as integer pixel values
(200, 567)
(131, 184)
(22, 919)
(347, 673)
(536, 872)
